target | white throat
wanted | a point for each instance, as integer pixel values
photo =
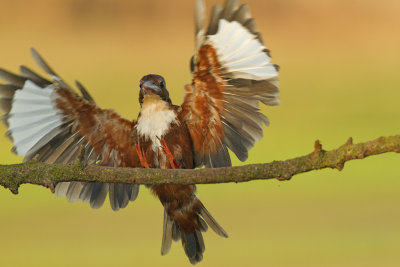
(155, 119)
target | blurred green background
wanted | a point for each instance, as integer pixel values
(340, 62)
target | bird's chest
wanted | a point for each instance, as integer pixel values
(155, 121)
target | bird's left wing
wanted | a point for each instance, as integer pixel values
(49, 122)
(232, 72)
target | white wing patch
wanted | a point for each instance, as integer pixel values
(241, 52)
(32, 116)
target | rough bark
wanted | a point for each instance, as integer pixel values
(33, 172)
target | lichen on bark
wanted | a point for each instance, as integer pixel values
(34, 172)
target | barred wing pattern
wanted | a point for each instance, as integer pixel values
(51, 123)
(232, 72)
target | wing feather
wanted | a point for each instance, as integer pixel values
(232, 73)
(50, 122)
(229, 9)
(37, 79)
(215, 16)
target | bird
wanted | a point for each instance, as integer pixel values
(232, 75)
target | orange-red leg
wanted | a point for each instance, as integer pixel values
(170, 157)
(142, 157)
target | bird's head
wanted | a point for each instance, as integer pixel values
(153, 84)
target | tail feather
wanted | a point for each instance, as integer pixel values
(193, 245)
(200, 241)
(189, 244)
(176, 234)
(167, 233)
(192, 240)
(211, 221)
(202, 224)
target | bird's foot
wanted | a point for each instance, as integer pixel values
(142, 157)
(170, 157)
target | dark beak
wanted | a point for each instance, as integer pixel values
(149, 86)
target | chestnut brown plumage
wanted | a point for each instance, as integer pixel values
(231, 75)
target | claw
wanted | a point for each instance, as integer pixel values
(142, 157)
(170, 157)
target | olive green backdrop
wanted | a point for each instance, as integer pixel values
(340, 64)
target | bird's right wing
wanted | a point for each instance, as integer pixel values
(49, 122)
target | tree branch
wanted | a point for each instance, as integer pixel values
(33, 172)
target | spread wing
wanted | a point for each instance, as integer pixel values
(51, 123)
(232, 73)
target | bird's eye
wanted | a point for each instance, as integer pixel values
(162, 84)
